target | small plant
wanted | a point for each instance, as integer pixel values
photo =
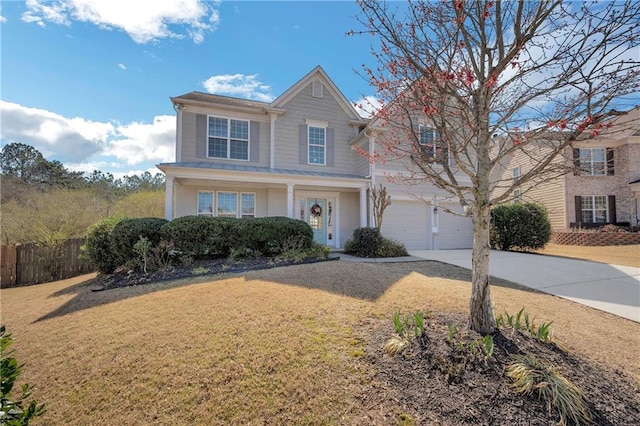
(521, 322)
(531, 375)
(200, 270)
(452, 333)
(14, 412)
(143, 250)
(162, 255)
(403, 325)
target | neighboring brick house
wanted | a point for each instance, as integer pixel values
(605, 185)
(298, 156)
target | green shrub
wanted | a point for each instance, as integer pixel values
(128, 232)
(269, 236)
(391, 248)
(521, 226)
(368, 242)
(98, 246)
(365, 242)
(202, 236)
(14, 411)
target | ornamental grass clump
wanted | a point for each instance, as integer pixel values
(530, 375)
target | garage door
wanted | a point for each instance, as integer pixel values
(408, 223)
(455, 232)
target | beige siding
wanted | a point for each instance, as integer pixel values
(187, 198)
(304, 106)
(551, 193)
(189, 137)
(277, 202)
(349, 204)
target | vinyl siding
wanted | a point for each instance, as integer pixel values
(189, 137)
(349, 205)
(287, 133)
(188, 198)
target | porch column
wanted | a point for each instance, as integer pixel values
(290, 200)
(168, 198)
(363, 206)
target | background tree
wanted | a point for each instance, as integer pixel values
(477, 69)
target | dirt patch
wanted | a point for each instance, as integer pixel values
(440, 380)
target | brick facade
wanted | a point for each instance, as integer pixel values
(596, 238)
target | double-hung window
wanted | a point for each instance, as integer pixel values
(228, 138)
(594, 209)
(227, 204)
(431, 144)
(317, 145)
(593, 161)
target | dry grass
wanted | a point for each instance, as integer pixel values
(617, 255)
(276, 346)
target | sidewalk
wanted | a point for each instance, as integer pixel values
(610, 288)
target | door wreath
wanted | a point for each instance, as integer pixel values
(316, 210)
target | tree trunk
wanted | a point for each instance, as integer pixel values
(481, 317)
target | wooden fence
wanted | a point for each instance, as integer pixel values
(24, 264)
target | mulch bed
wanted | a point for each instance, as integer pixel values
(199, 268)
(436, 383)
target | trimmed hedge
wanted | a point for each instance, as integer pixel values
(202, 236)
(522, 226)
(98, 246)
(369, 242)
(126, 233)
(269, 236)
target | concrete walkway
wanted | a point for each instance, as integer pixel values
(610, 288)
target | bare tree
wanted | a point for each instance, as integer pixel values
(477, 71)
(380, 200)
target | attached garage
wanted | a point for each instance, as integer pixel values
(409, 223)
(454, 231)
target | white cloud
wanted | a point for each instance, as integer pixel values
(3, 20)
(87, 145)
(122, 66)
(367, 106)
(245, 86)
(142, 20)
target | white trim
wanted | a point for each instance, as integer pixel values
(316, 123)
(324, 145)
(363, 206)
(229, 118)
(179, 134)
(272, 141)
(290, 200)
(168, 197)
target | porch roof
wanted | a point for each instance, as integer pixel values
(256, 169)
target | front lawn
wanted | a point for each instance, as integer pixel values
(292, 345)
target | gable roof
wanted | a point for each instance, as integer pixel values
(318, 73)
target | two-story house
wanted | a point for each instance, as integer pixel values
(296, 157)
(603, 186)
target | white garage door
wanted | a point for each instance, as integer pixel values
(408, 223)
(454, 232)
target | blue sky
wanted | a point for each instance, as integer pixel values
(88, 82)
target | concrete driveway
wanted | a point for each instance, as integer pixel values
(610, 288)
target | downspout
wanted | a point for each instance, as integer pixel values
(272, 142)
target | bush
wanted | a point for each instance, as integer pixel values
(127, 233)
(202, 236)
(14, 411)
(368, 242)
(520, 226)
(270, 236)
(98, 246)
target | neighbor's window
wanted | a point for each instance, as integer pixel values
(594, 209)
(593, 161)
(515, 172)
(228, 138)
(317, 145)
(517, 196)
(227, 204)
(205, 202)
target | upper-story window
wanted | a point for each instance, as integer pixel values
(515, 172)
(432, 145)
(317, 145)
(592, 161)
(228, 138)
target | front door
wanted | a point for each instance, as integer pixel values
(317, 218)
